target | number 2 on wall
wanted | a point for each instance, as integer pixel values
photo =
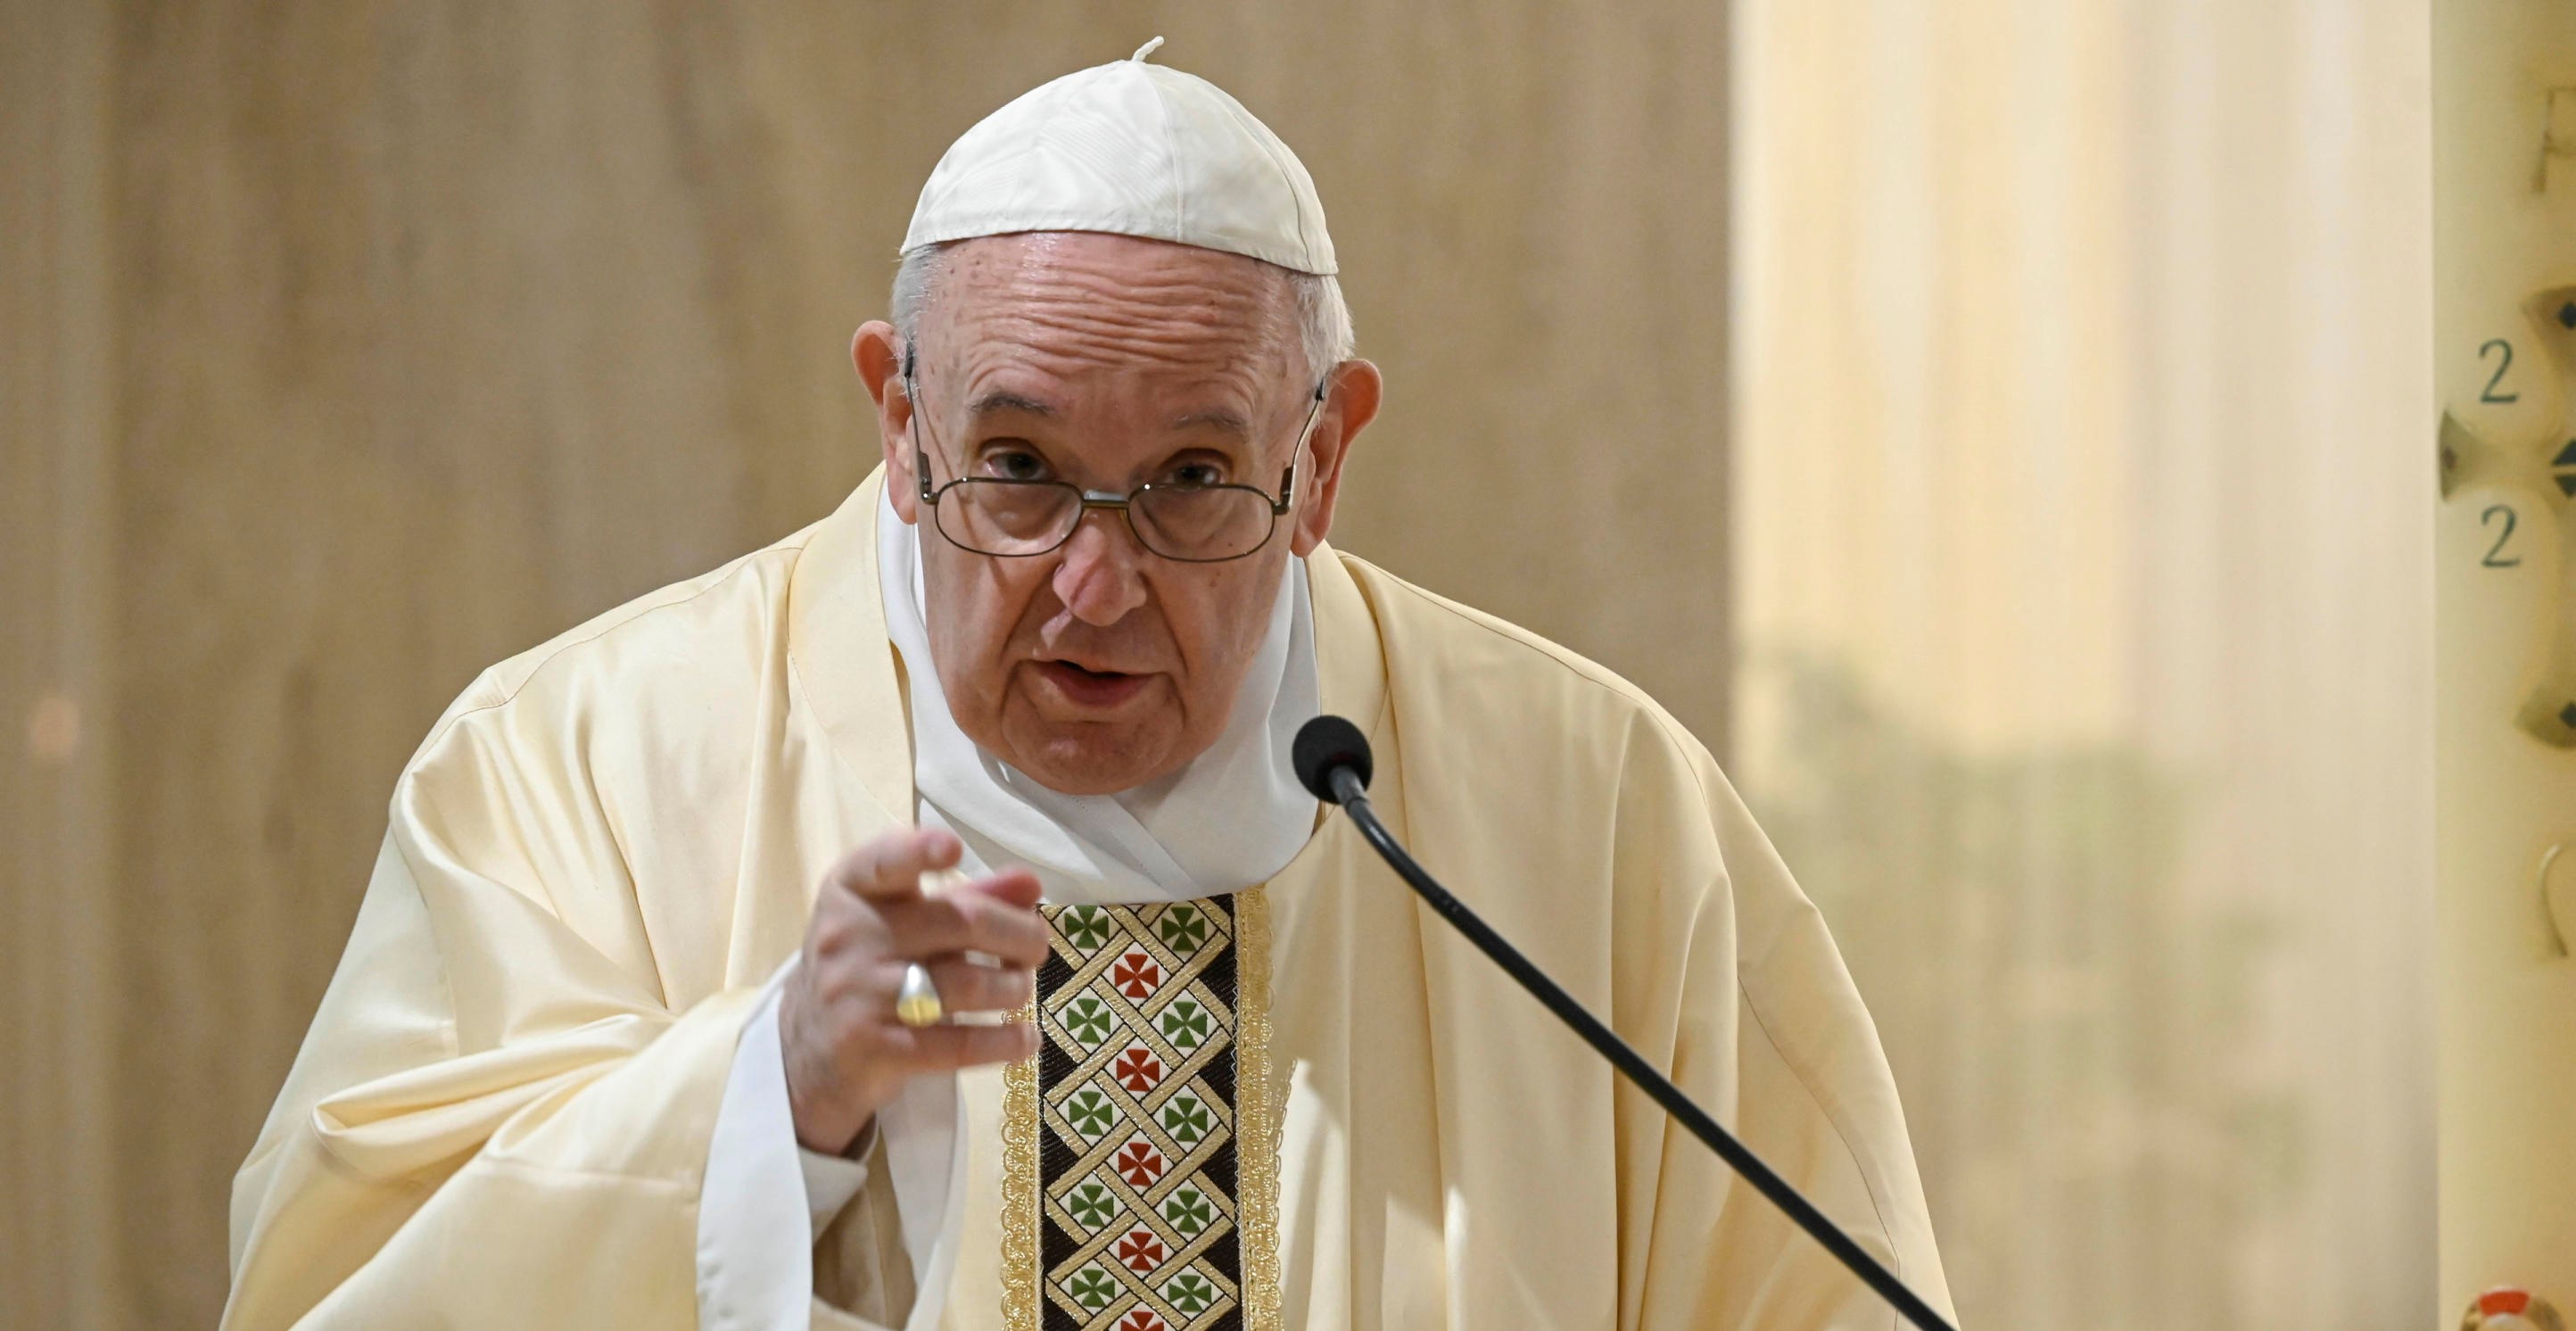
(2489, 394)
(2494, 551)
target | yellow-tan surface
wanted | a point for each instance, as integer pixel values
(2505, 233)
(2085, 574)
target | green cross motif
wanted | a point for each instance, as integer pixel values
(1189, 1292)
(1189, 1210)
(1090, 1112)
(1185, 1024)
(1086, 927)
(1089, 1019)
(1186, 1117)
(1092, 1287)
(1184, 928)
(1091, 1204)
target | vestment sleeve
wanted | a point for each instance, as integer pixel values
(765, 1199)
(498, 1119)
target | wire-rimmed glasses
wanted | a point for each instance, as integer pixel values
(1190, 522)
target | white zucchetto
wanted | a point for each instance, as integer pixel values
(1132, 149)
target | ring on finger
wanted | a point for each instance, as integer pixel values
(917, 1003)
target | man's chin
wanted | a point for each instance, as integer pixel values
(1093, 759)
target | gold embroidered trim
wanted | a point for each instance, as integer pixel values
(1020, 1190)
(1256, 1114)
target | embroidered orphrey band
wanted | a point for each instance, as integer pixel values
(1140, 1149)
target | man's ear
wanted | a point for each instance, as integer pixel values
(1351, 399)
(878, 356)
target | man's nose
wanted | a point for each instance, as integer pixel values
(1099, 580)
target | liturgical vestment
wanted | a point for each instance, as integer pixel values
(605, 851)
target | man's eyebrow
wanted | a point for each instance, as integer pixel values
(1225, 419)
(989, 403)
(1217, 418)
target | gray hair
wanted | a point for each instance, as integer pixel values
(1323, 321)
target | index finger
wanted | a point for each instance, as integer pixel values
(1016, 886)
(889, 868)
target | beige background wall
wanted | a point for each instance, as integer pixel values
(2084, 442)
(345, 348)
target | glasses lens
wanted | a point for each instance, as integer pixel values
(1202, 522)
(1009, 517)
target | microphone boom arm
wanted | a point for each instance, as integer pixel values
(1351, 791)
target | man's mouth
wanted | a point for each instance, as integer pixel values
(1091, 688)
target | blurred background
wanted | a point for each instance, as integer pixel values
(1995, 426)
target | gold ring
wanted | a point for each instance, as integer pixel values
(917, 1003)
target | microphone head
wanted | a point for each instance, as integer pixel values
(1323, 744)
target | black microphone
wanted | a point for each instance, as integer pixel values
(1331, 759)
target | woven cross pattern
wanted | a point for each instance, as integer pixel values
(1137, 1180)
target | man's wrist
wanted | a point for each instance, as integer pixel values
(855, 1146)
(826, 1124)
(823, 1127)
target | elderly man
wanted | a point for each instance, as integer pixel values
(681, 992)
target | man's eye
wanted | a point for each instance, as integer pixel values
(1015, 464)
(1196, 473)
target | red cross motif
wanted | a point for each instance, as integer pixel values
(1138, 1163)
(1143, 1319)
(1137, 1069)
(1140, 1251)
(1136, 975)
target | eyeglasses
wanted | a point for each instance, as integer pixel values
(1185, 521)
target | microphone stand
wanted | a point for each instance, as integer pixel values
(1350, 791)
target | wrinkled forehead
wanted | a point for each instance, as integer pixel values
(1086, 307)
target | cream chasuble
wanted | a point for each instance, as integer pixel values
(606, 849)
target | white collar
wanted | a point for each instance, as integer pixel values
(1230, 819)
